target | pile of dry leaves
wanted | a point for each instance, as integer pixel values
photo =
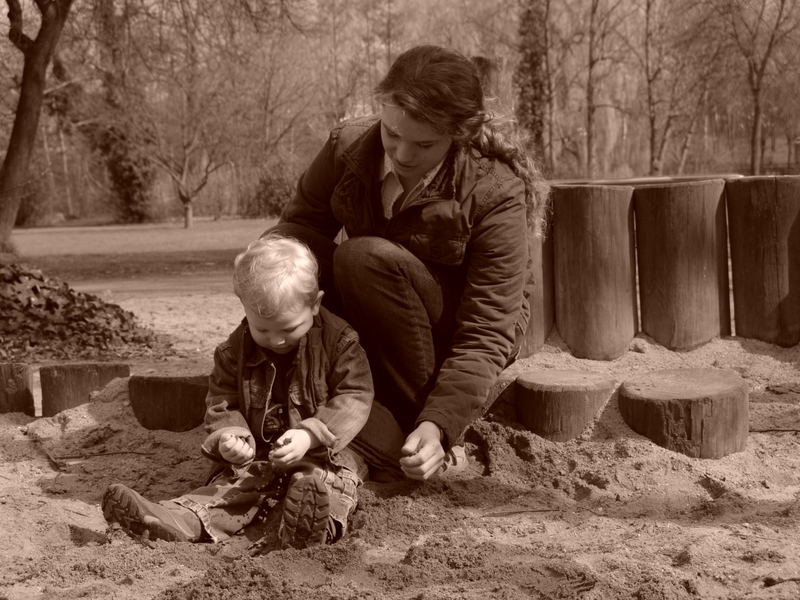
(44, 318)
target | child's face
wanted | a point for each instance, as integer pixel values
(281, 333)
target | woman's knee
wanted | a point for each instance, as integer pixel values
(362, 254)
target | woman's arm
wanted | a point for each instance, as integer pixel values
(486, 316)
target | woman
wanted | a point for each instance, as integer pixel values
(436, 207)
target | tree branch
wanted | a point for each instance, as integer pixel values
(15, 32)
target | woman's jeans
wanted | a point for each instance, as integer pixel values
(405, 319)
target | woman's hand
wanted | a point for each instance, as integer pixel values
(423, 452)
(235, 449)
(290, 447)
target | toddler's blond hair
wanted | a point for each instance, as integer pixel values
(276, 274)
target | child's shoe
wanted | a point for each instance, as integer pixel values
(306, 511)
(140, 517)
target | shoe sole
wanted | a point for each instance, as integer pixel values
(305, 513)
(120, 506)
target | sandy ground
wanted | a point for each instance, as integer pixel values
(607, 516)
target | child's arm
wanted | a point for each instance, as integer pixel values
(337, 421)
(229, 436)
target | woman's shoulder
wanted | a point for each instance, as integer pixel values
(486, 176)
(350, 130)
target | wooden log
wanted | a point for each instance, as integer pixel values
(593, 253)
(764, 229)
(683, 265)
(702, 413)
(172, 403)
(541, 320)
(16, 389)
(69, 385)
(560, 405)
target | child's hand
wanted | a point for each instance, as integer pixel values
(234, 449)
(290, 447)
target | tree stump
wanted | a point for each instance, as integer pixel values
(560, 405)
(70, 385)
(683, 265)
(16, 389)
(171, 403)
(702, 413)
(541, 318)
(593, 256)
(764, 225)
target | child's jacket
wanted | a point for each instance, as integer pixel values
(330, 387)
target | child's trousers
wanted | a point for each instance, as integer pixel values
(232, 498)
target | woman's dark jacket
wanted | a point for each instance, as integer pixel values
(469, 227)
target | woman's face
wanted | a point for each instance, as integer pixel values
(414, 147)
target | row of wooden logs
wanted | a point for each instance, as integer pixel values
(702, 413)
(175, 403)
(628, 256)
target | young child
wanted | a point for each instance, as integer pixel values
(290, 388)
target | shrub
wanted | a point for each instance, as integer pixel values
(272, 193)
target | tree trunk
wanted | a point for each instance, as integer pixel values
(541, 300)
(702, 413)
(188, 215)
(69, 385)
(16, 389)
(755, 136)
(560, 405)
(682, 257)
(764, 224)
(171, 403)
(37, 53)
(51, 176)
(65, 168)
(593, 258)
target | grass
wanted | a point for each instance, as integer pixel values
(134, 251)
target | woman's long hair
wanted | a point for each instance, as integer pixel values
(442, 87)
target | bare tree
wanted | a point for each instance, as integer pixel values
(38, 53)
(758, 29)
(677, 59)
(531, 76)
(603, 22)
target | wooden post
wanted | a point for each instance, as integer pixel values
(594, 269)
(683, 267)
(702, 413)
(541, 299)
(69, 385)
(16, 389)
(764, 226)
(171, 403)
(560, 405)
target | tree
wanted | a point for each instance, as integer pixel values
(601, 26)
(677, 58)
(758, 30)
(531, 76)
(38, 54)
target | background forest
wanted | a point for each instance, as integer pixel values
(158, 109)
